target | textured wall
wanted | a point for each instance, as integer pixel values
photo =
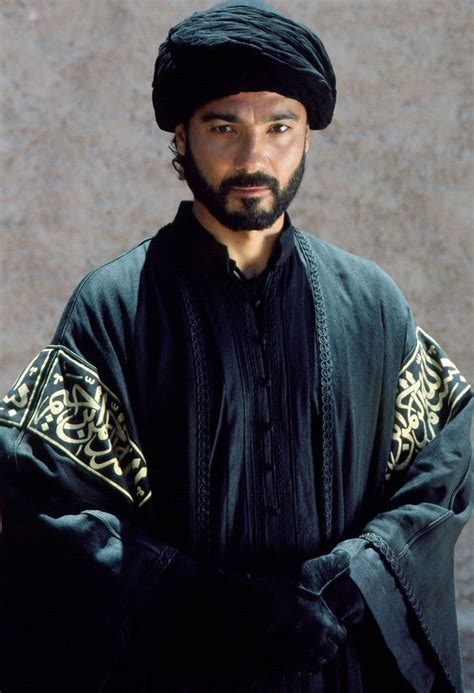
(86, 173)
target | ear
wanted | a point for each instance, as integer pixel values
(180, 134)
(306, 140)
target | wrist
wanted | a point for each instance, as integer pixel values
(345, 600)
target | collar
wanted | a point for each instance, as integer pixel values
(198, 248)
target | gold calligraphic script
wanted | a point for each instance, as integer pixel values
(61, 398)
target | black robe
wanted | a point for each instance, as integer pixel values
(249, 424)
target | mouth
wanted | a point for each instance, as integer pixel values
(250, 191)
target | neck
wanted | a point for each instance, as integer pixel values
(251, 250)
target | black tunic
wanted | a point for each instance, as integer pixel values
(261, 382)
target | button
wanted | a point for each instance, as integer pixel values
(257, 303)
(265, 382)
(266, 425)
(261, 342)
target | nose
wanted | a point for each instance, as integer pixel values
(250, 154)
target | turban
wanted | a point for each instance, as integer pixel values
(241, 46)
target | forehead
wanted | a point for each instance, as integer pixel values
(253, 106)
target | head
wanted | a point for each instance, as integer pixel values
(223, 80)
(243, 157)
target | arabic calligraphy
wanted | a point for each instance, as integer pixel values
(78, 414)
(429, 391)
(16, 406)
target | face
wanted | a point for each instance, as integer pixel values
(244, 157)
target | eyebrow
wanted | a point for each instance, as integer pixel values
(232, 118)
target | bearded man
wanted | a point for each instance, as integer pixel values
(239, 465)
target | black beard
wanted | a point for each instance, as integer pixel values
(251, 217)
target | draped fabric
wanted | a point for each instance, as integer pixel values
(250, 424)
(238, 47)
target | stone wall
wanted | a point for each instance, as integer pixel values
(86, 173)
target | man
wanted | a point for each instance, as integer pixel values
(239, 465)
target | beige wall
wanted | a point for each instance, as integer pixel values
(86, 173)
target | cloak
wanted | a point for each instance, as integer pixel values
(113, 441)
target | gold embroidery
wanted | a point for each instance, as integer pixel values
(430, 387)
(78, 414)
(16, 406)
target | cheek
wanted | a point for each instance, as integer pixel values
(287, 162)
(210, 160)
(288, 149)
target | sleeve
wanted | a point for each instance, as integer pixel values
(403, 560)
(77, 570)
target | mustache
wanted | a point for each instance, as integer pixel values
(249, 180)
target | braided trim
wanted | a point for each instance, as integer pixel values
(408, 592)
(326, 370)
(203, 417)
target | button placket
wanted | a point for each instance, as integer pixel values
(265, 423)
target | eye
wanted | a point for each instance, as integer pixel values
(279, 128)
(222, 129)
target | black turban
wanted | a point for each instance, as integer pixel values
(241, 46)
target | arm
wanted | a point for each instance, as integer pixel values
(403, 561)
(415, 520)
(76, 566)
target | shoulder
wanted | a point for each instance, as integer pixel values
(117, 276)
(343, 272)
(342, 263)
(112, 290)
(358, 295)
(102, 305)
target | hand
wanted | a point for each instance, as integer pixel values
(302, 632)
(329, 577)
(235, 628)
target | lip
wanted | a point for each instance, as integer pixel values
(250, 191)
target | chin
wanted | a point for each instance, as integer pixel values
(250, 205)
